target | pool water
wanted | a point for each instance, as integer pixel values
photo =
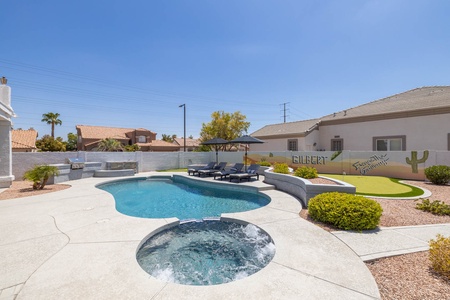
(206, 252)
(179, 197)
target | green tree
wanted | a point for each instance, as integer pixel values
(48, 143)
(224, 125)
(71, 144)
(132, 148)
(51, 118)
(40, 175)
(109, 145)
(168, 138)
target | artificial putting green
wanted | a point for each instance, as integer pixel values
(378, 186)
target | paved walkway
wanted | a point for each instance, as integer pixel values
(390, 241)
(73, 244)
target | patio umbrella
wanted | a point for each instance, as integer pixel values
(246, 139)
(215, 142)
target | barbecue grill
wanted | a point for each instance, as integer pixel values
(75, 163)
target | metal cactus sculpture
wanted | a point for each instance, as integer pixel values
(414, 161)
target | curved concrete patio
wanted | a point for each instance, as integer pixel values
(73, 244)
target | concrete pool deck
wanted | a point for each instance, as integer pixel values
(73, 244)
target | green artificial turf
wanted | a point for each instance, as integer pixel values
(378, 186)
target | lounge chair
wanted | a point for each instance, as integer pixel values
(193, 171)
(221, 166)
(252, 171)
(237, 168)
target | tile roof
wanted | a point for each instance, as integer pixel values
(417, 99)
(285, 128)
(189, 142)
(161, 143)
(102, 132)
(23, 139)
(425, 98)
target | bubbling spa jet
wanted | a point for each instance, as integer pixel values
(206, 252)
(202, 249)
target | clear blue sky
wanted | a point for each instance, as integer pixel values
(132, 63)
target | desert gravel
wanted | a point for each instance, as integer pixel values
(408, 276)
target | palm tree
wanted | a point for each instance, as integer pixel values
(110, 145)
(40, 175)
(52, 118)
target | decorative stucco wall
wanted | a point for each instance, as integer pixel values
(6, 112)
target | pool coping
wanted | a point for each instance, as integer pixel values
(74, 244)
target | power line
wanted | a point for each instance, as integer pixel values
(88, 79)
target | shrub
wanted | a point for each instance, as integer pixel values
(281, 168)
(48, 143)
(264, 163)
(345, 211)
(439, 255)
(306, 172)
(436, 207)
(131, 148)
(438, 174)
(39, 175)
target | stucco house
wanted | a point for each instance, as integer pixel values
(418, 119)
(191, 144)
(90, 136)
(6, 113)
(24, 140)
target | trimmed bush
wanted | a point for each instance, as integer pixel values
(439, 175)
(436, 207)
(345, 211)
(281, 168)
(306, 172)
(264, 163)
(439, 255)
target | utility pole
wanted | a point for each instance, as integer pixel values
(184, 137)
(284, 111)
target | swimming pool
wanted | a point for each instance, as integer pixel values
(180, 197)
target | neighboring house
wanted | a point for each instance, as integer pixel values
(6, 113)
(418, 119)
(90, 136)
(24, 140)
(191, 144)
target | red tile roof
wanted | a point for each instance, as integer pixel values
(102, 132)
(189, 142)
(23, 139)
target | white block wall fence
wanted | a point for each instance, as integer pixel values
(391, 164)
(147, 161)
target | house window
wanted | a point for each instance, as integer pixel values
(292, 145)
(448, 142)
(389, 143)
(337, 144)
(141, 139)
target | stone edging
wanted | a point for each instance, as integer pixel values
(303, 188)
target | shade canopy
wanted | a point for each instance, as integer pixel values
(215, 142)
(246, 139)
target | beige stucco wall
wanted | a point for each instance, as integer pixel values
(422, 133)
(274, 144)
(280, 144)
(6, 113)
